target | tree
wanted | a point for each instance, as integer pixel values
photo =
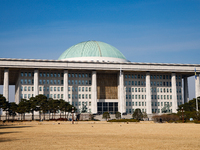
(118, 115)
(62, 106)
(106, 115)
(2, 102)
(189, 110)
(5, 107)
(44, 106)
(22, 108)
(33, 104)
(40, 98)
(13, 109)
(137, 114)
(145, 115)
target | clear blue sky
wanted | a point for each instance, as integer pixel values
(164, 31)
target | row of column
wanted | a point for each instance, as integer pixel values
(121, 96)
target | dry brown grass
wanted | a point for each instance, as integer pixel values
(101, 135)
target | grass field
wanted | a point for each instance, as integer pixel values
(99, 135)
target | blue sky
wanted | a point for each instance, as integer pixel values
(163, 31)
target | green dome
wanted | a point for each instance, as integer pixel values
(91, 49)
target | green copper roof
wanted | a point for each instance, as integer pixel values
(91, 49)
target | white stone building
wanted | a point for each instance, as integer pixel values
(98, 75)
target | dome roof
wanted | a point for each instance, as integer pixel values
(92, 50)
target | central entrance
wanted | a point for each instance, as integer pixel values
(111, 107)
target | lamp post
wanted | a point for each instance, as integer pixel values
(72, 115)
(182, 114)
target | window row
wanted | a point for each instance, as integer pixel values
(79, 96)
(135, 96)
(81, 103)
(135, 83)
(135, 103)
(79, 75)
(80, 89)
(135, 76)
(80, 82)
(58, 96)
(136, 89)
(128, 111)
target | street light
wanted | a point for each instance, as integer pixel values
(182, 114)
(72, 115)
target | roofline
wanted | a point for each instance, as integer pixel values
(96, 61)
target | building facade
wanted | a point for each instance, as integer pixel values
(97, 75)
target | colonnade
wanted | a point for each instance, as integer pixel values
(121, 95)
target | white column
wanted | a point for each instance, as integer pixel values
(6, 84)
(94, 92)
(197, 93)
(186, 94)
(65, 84)
(36, 89)
(18, 90)
(122, 100)
(148, 94)
(174, 93)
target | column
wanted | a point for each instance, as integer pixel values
(122, 100)
(6, 84)
(148, 94)
(174, 93)
(186, 94)
(65, 84)
(18, 90)
(197, 86)
(36, 89)
(94, 92)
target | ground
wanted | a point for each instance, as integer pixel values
(99, 135)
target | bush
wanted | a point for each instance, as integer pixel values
(166, 117)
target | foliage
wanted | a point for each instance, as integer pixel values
(106, 115)
(137, 114)
(166, 117)
(189, 110)
(123, 120)
(118, 115)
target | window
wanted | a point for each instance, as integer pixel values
(51, 81)
(25, 88)
(82, 89)
(29, 81)
(61, 88)
(29, 88)
(40, 88)
(47, 81)
(58, 88)
(58, 81)
(54, 88)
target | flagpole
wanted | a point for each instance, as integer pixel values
(196, 91)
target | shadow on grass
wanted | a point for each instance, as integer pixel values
(6, 140)
(2, 127)
(12, 126)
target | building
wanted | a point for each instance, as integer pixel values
(98, 75)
